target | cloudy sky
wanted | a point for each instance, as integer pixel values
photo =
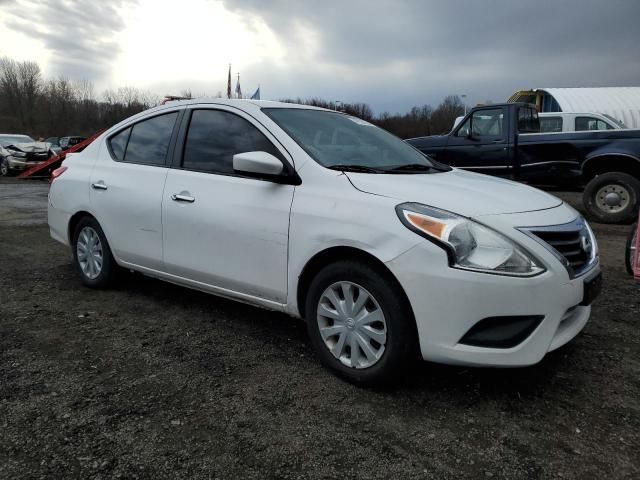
(392, 54)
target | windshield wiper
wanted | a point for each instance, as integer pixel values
(354, 168)
(411, 167)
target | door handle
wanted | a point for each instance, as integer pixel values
(182, 197)
(99, 185)
(499, 140)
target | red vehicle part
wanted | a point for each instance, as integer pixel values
(45, 168)
(635, 261)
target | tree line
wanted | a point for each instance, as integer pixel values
(31, 104)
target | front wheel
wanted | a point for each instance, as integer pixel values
(612, 198)
(360, 323)
(630, 249)
(5, 171)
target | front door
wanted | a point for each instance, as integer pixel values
(221, 228)
(481, 144)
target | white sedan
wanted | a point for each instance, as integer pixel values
(383, 251)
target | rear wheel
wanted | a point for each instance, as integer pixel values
(612, 198)
(359, 323)
(630, 249)
(92, 255)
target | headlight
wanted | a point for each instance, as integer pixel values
(17, 154)
(470, 246)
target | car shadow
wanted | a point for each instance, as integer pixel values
(460, 384)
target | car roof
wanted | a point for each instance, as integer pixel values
(548, 114)
(244, 104)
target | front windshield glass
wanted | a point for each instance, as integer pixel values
(620, 123)
(13, 139)
(336, 140)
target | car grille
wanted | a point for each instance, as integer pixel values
(572, 243)
(37, 156)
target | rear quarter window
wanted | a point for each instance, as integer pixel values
(118, 144)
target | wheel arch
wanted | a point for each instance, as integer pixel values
(611, 162)
(339, 253)
(73, 222)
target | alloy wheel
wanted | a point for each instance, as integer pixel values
(89, 252)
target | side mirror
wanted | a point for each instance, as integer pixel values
(471, 136)
(257, 163)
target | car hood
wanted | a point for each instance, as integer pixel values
(465, 193)
(37, 147)
(422, 143)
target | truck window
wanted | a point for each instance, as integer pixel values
(550, 124)
(528, 120)
(463, 131)
(591, 123)
(485, 123)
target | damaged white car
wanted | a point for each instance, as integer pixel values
(20, 152)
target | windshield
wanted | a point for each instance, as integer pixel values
(13, 139)
(620, 123)
(336, 140)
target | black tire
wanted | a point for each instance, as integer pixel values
(108, 272)
(592, 203)
(5, 171)
(627, 249)
(401, 335)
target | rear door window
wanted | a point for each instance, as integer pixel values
(149, 140)
(146, 142)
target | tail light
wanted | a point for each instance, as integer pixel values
(57, 172)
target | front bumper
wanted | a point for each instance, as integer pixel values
(19, 164)
(448, 302)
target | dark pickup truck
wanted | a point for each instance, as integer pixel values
(505, 140)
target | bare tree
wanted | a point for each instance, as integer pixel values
(10, 93)
(57, 107)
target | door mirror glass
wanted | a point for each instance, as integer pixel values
(257, 163)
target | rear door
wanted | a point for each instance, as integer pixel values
(221, 228)
(481, 143)
(126, 188)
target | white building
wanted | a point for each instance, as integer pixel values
(622, 103)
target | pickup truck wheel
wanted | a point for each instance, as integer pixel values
(612, 198)
(630, 249)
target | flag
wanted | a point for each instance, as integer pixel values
(256, 95)
(238, 89)
(229, 83)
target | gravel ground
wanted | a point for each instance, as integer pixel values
(150, 380)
